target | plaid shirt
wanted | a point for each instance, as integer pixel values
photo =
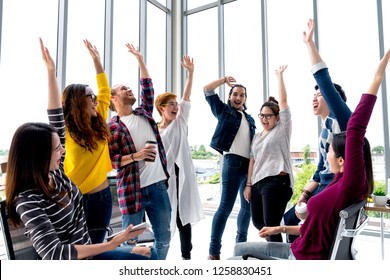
(121, 143)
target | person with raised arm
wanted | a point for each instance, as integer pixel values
(270, 177)
(141, 168)
(183, 187)
(232, 139)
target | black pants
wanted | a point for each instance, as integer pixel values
(185, 231)
(268, 202)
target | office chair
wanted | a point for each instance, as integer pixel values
(352, 221)
(17, 245)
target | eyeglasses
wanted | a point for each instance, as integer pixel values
(267, 116)
(92, 96)
(171, 104)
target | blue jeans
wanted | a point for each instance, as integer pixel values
(98, 210)
(291, 219)
(234, 176)
(124, 253)
(268, 202)
(156, 204)
(271, 249)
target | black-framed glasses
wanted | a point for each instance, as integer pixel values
(267, 116)
(92, 96)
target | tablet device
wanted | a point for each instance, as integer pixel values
(143, 225)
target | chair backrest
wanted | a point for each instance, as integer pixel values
(352, 221)
(17, 245)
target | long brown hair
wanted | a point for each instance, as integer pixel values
(28, 164)
(83, 129)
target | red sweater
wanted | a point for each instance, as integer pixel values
(349, 187)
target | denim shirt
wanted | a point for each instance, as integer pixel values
(229, 120)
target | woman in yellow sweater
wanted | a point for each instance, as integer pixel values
(87, 159)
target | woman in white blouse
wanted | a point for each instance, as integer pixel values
(183, 189)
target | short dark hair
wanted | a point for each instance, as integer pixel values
(339, 90)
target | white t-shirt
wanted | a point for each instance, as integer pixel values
(141, 131)
(242, 142)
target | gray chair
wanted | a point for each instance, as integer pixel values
(17, 245)
(352, 221)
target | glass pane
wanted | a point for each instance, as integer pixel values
(244, 50)
(197, 3)
(286, 47)
(23, 76)
(156, 49)
(126, 30)
(203, 47)
(352, 59)
(84, 23)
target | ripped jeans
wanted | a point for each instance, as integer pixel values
(156, 204)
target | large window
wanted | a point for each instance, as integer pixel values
(23, 78)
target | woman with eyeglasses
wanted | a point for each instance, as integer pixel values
(232, 138)
(183, 188)
(270, 177)
(87, 159)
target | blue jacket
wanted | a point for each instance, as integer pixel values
(229, 120)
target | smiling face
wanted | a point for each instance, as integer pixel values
(91, 101)
(169, 110)
(124, 95)
(57, 151)
(267, 118)
(320, 108)
(237, 98)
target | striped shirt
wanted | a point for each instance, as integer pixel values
(54, 228)
(121, 144)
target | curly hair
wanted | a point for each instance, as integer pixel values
(84, 129)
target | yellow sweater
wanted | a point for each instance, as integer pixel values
(89, 169)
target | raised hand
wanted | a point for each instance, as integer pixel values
(49, 61)
(279, 71)
(229, 80)
(308, 35)
(93, 51)
(134, 51)
(188, 63)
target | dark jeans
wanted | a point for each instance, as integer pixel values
(185, 231)
(268, 202)
(291, 219)
(234, 175)
(98, 210)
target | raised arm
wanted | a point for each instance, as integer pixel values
(308, 40)
(380, 71)
(229, 80)
(188, 64)
(95, 56)
(54, 96)
(282, 88)
(144, 73)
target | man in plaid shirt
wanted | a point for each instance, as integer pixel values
(141, 187)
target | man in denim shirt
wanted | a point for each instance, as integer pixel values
(232, 138)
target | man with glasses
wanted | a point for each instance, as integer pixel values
(141, 168)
